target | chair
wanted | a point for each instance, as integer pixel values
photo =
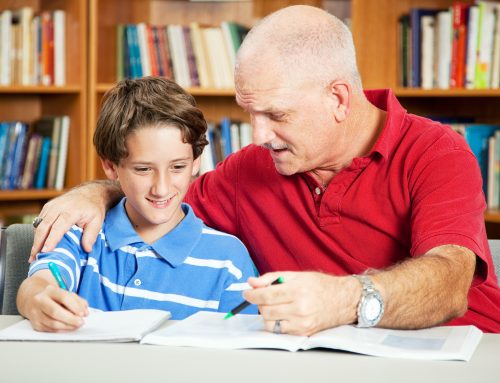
(15, 246)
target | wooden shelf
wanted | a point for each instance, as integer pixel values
(416, 92)
(29, 195)
(41, 89)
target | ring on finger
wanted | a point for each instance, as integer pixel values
(37, 221)
(277, 327)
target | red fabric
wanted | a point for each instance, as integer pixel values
(419, 187)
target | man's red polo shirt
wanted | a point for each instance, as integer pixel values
(418, 188)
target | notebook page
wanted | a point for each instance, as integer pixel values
(109, 326)
(209, 329)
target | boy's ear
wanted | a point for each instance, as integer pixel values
(196, 166)
(109, 169)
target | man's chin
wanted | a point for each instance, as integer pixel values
(285, 170)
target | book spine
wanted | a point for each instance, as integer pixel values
(41, 172)
(59, 47)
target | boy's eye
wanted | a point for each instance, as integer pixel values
(141, 169)
(179, 166)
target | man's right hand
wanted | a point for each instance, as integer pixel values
(84, 206)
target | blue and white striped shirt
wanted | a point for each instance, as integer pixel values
(191, 268)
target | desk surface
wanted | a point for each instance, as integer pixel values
(131, 362)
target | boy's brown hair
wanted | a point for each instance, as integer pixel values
(147, 101)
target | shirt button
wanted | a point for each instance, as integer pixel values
(137, 282)
(318, 190)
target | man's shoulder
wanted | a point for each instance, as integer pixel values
(426, 133)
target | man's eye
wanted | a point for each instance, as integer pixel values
(277, 117)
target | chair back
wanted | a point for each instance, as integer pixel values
(495, 254)
(15, 246)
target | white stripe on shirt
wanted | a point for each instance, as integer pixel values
(215, 264)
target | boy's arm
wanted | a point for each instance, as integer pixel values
(48, 307)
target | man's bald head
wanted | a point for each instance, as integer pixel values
(304, 43)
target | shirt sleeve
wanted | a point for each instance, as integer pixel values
(67, 255)
(448, 203)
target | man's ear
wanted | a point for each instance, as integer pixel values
(196, 165)
(109, 169)
(341, 92)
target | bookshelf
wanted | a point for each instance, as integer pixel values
(105, 15)
(28, 103)
(375, 32)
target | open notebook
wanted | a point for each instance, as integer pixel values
(208, 329)
(100, 326)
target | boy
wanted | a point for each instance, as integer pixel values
(153, 252)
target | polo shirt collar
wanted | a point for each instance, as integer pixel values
(174, 247)
(386, 100)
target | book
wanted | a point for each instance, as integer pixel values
(458, 45)
(416, 15)
(40, 180)
(472, 31)
(486, 31)
(100, 326)
(444, 24)
(59, 18)
(427, 57)
(62, 153)
(209, 329)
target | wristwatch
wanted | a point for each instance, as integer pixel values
(371, 303)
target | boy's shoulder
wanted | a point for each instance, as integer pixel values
(222, 237)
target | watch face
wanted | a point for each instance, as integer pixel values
(372, 308)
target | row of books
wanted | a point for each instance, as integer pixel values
(193, 56)
(32, 47)
(224, 138)
(457, 47)
(34, 157)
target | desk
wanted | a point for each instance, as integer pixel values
(37, 362)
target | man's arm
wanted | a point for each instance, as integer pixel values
(48, 307)
(84, 206)
(419, 292)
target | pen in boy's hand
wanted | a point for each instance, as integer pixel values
(57, 275)
(245, 304)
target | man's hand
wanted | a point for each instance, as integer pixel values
(306, 302)
(84, 206)
(48, 307)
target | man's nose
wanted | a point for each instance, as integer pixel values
(262, 130)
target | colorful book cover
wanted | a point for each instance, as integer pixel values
(43, 164)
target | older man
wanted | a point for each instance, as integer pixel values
(372, 215)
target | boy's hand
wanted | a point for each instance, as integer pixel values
(48, 307)
(56, 310)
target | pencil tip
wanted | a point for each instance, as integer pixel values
(228, 315)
